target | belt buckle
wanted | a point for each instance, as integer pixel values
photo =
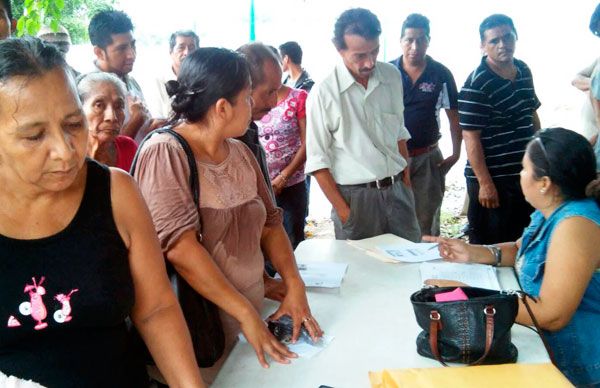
(377, 184)
(393, 179)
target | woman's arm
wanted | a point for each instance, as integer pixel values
(571, 260)
(297, 161)
(192, 261)
(156, 312)
(459, 251)
(276, 245)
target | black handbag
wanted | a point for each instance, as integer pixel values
(201, 315)
(474, 331)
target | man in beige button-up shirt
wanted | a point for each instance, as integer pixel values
(356, 139)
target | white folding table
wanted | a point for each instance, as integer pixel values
(372, 320)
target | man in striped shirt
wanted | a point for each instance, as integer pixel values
(497, 112)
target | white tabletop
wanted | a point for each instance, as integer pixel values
(372, 320)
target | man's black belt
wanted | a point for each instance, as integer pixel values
(379, 183)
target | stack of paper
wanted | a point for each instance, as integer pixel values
(474, 275)
(321, 274)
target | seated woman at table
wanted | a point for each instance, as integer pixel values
(104, 96)
(212, 104)
(558, 257)
(78, 253)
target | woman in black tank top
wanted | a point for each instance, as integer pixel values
(78, 252)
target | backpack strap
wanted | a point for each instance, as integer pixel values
(193, 179)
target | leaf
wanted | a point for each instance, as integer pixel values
(30, 27)
(60, 4)
(54, 25)
(28, 3)
(21, 26)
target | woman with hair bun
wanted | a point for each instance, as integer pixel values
(558, 258)
(212, 105)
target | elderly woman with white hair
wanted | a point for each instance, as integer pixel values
(103, 96)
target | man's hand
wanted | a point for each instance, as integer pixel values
(274, 289)
(446, 164)
(488, 196)
(406, 176)
(137, 107)
(343, 213)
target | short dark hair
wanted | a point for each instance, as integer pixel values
(187, 34)
(293, 51)
(206, 75)
(567, 158)
(416, 20)
(29, 57)
(8, 9)
(256, 54)
(493, 21)
(106, 23)
(594, 20)
(355, 21)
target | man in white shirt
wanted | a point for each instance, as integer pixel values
(111, 35)
(356, 139)
(181, 44)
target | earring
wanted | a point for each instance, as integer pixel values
(542, 191)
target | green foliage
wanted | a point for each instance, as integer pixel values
(74, 15)
(451, 225)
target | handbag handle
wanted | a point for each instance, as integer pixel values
(523, 296)
(435, 326)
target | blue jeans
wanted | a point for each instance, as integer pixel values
(294, 202)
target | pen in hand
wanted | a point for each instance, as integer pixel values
(433, 246)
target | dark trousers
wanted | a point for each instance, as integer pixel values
(294, 201)
(502, 224)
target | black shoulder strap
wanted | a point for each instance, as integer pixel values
(194, 182)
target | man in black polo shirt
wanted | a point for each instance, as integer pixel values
(428, 87)
(291, 57)
(497, 111)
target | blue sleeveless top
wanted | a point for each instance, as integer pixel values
(65, 299)
(576, 347)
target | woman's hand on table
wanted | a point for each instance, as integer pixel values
(296, 306)
(261, 339)
(451, 249)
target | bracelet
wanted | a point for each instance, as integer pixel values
(284, 177)
(496, 252)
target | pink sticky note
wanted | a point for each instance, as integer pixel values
(451, 296)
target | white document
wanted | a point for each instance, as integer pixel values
(303, 348)
(474, 275)
(369, 245)
(321, 274)
(411, 253)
